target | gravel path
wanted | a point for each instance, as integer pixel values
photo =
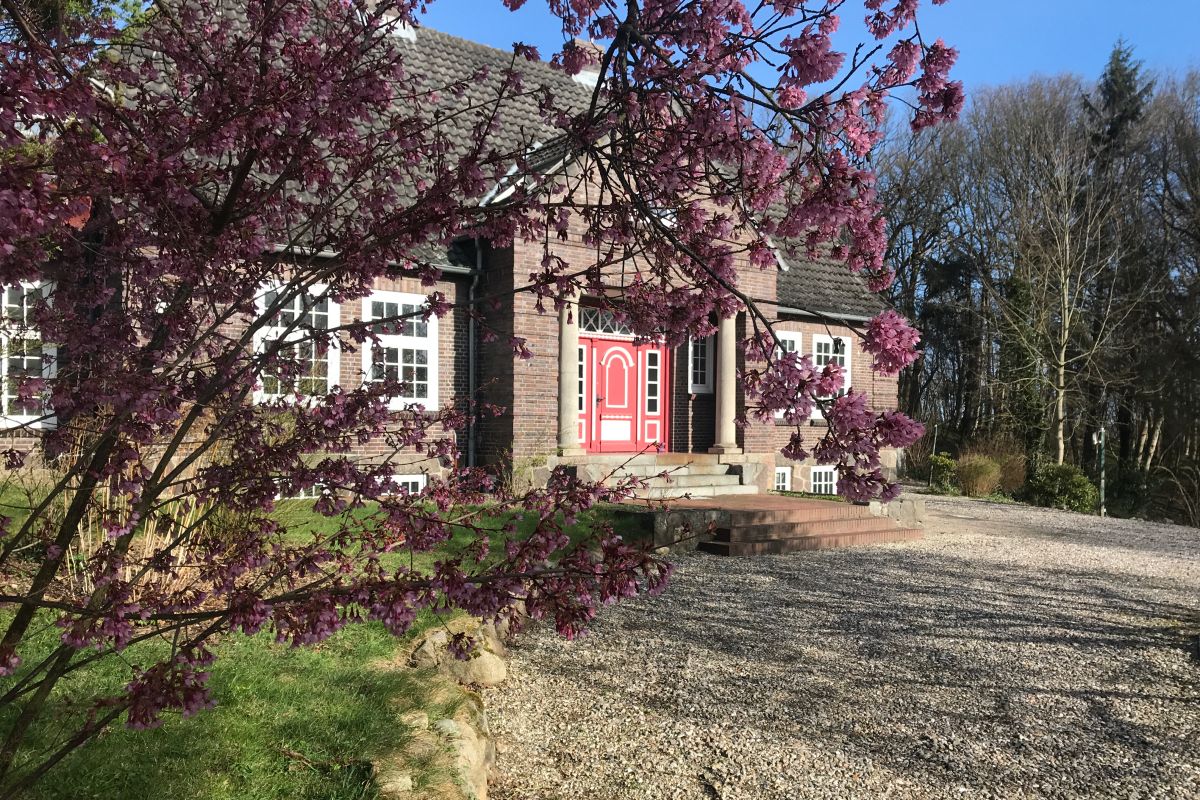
(1014, 653)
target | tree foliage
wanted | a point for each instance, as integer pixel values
(1057, 225)
(160, 170)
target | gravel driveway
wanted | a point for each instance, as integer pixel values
(1014, 652)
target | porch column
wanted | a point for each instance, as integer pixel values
(568, 379)
(726, 387)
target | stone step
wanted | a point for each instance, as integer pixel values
(695, 480)
(675, 491)
(792, 530)
(646, 470)
(812, 542)
(645, 459)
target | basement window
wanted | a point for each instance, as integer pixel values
(783, 479)
(823, 480)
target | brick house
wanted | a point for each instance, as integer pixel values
(589, 399)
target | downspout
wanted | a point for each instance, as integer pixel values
(471, 377)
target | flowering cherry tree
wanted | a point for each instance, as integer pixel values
(157, 172)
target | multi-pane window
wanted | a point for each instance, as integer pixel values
(783, 479)
(24, 355)
(700, 358)
(407, 484)
(582, 374)
(823, 480)
(789, 342)
(305, 363)
(837, 350)
(652, 382)
(601, 320)
(406, 352)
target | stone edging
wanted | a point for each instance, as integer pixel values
(467, 733)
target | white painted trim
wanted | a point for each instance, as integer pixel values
(786, 474)
(824, 315)
(828, 475)
(797, 340)
(419, 478)
(32, 422)
(847, 353)
(710, 347)
(429, 342)
(658, 384)
(333, 355)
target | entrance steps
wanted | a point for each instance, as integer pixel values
(670, 476)
(774, 525)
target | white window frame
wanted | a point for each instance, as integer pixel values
(656, 383)
(419, 481)
(399, 341)
(49, 359)
(704, 386)
(847, 351)
(298, 334)
(823, 475)
(784, 485)
(796, 340)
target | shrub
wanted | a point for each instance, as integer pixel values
(978, 475)
(942, 473)
(1012, 472)
(1008, 453)
(1062, 486)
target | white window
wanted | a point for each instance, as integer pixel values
(700, 359)
(306, 364)
(783, 479)
(582, 374)
(407, 348)
(407, 484)
(24, 355)
(823, 480)
(314, 492)
(835, 349)
(653, 384)
(789, 342)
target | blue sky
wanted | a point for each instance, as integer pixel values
(998, 40)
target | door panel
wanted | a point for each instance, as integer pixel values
(624, 391)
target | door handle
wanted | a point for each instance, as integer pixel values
(599, 400)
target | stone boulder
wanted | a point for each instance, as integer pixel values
(485, 666)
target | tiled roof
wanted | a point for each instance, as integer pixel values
(825, 288)
(444, 59)
(820, 287)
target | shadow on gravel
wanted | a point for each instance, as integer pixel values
(948, 670)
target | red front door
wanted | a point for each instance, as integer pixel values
(623, 395)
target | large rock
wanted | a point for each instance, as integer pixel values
(484, 667)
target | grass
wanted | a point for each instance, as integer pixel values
(289, 723)
(833, 498)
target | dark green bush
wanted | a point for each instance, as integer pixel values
(1062, 486)
(978, 475)
(942, 473)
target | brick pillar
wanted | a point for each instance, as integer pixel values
(726, 387)
(568, 380)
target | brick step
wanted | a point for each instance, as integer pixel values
(815, 511)
(675, 492)
(792, 530)
(812, 542)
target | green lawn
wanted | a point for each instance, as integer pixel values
(289, 723)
